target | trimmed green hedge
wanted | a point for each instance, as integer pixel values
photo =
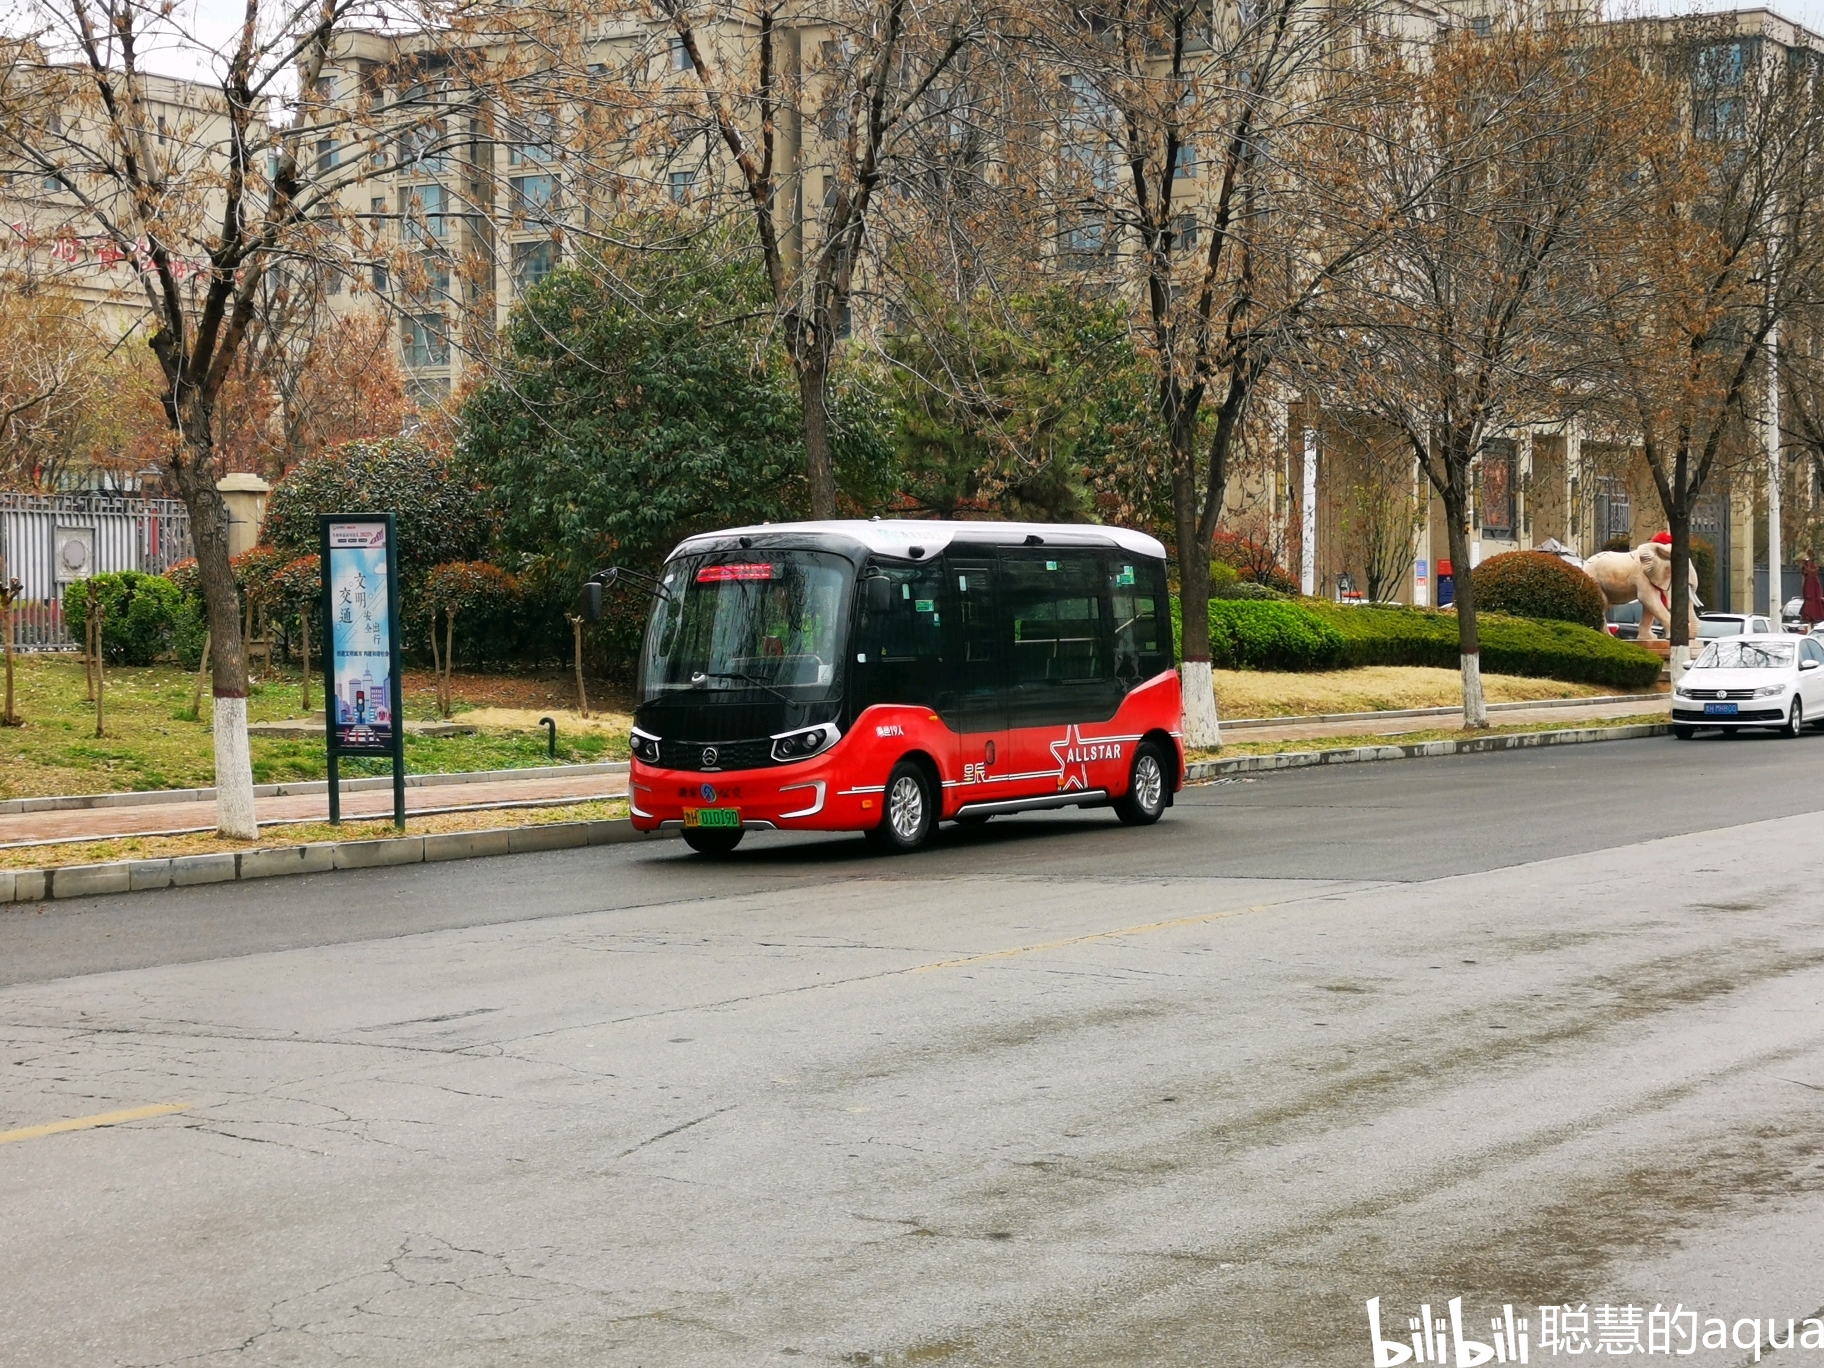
(1263, 634)
(1314, 635)
(1510, 645)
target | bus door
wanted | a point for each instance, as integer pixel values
(1065, 692)
(974, 707)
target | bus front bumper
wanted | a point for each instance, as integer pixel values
(808, 796)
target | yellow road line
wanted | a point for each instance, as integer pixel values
(90, 1122)
(1093, 936)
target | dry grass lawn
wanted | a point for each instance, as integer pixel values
(1373, 688)
(569, 722)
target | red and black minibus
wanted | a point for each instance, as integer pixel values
(882, 676)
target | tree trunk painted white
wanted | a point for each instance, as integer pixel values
(1475, 707)
(1202, 730)
(233, 772)
(1680, 662)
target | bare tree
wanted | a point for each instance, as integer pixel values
(1194, 157)
(1457, 330)
(860, 89)
(1719, 238)
(196, 202)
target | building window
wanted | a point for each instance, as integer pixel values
(424, 209)
(532, 141)
(1718, 119)
(164, 131)
(326, 155)
(532, 262)
(1185, 166)
(1482, 26)
(681, 183)
(1495, 492)
(680, 55)
(532, 194)
(421, 144)
(1084, 242)
(1720, 66)
(427, 391)
(1184, 232)
(423, 340)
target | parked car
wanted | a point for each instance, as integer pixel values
(1710, 626)
(1623, 620)
(1764, 680)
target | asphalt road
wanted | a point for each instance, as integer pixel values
(1524, 1028)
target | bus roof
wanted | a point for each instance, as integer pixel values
(896, 536)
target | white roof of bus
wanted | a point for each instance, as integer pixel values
(894, 537)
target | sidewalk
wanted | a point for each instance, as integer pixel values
(1250, 730)
(156, 815)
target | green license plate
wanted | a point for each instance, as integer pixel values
(712, 817)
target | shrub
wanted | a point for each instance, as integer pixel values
(1537, 584)
(440, 516)
(1252, 561)
(138, 614)
(189, 623)
(484, 599)
(1256, 635)
(256, 574)
(1542, 649)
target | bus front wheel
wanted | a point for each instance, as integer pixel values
(712, 840)
(1144, 800)
(910, 810)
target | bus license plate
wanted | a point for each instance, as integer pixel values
(1719, 709)
(712, 817)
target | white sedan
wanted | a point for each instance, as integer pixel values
(1752, 681)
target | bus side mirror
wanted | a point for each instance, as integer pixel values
(879, 593)
(592, 602)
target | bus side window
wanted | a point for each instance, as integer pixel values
(1138, 624)
(900, 651)
(1062, 665)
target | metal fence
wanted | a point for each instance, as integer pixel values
(49, 541)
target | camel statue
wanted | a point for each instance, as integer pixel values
(1645, 573)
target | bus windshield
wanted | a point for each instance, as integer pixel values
(741, 622)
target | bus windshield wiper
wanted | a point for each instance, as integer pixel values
(741, 675)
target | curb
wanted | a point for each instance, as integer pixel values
(1601, 700)
(228, 866)
(1202, 771)
(152, 797)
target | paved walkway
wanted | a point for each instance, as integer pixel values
(1371, 725)
(174, 817)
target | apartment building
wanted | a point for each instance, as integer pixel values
(50, 141)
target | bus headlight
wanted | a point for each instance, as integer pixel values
(645, 746)
(805, 742)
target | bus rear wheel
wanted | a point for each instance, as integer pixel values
(910, 811)
(713, 840)
(1144, 800)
